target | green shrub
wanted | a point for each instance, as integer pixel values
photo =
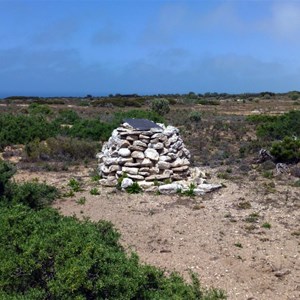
(161, 106)
(7, 170)
(22, 129)
(208, 102)
(35, 195)
(276, 128)
(46, 256)
(134, 188)
(195, 116)
(287, 150)
(94, 192)
(74, 185)
(91, 129)
(61, 149)
(67, 116)
(39, 109)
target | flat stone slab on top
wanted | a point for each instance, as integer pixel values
(141, 124)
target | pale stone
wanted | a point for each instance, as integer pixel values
(168, 189)
(126, 182)
(177, 163)
(173, 139)
(145, 184)
(209, 187)
(164, 151)
(180, 169)
(199, 192)
(157, 177)
(122, 161)
(146, 162)
(153, 142)
(132, 164)
(156, 135)
(144, 169)
(124, 152)
(172, 155)
(154, 170)
(131, 138)
(145, 141)
(164, 158)
(145, 137)
(132, 133)
(109, 183)
(168, 172)
(158, 146)
(145, 174)
(110, 161)
(104, 169)
(136, 177)
(126, 125)
(151, 189)
(163, 165)
(130, 170)
(124, 144)
(177, 145)
(156, 130)
(114, 168)
(167, 143)
(151, 154)
(136, 148)
(140, 144)
(137, 154)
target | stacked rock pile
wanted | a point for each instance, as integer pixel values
(157, 153)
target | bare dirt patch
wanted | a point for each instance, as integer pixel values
(223, 236)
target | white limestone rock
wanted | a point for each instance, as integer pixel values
(152, 154)
(168, 189)
(130, 170)
(138, 154)
(126, 182)
(163, 165)
(124, 152)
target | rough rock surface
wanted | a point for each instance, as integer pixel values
(160, 150)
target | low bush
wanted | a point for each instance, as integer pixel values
(61, 149)
(276, 128)
(33, 194)
(160, 105)
(21, 129)
(39, 109)
(195, 116)
(287, 150)
(46, 256)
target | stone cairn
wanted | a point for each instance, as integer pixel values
(144, 155)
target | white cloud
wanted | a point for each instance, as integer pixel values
(284, 22)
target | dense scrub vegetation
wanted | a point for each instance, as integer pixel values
(283, 132)
(47, 256)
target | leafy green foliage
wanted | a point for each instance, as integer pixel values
(195, 116)
(287, 150)
(39, 109)
(94, 191)
(7, 170)
(21, 129)
(61, 149)
(134, 188)
(278, 127)
(46, 256)
(74, 185)
(33, 194)
(67, 116)
(161, 106)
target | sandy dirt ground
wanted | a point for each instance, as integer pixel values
(220, 236)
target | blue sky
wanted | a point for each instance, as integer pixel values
(75, 48)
